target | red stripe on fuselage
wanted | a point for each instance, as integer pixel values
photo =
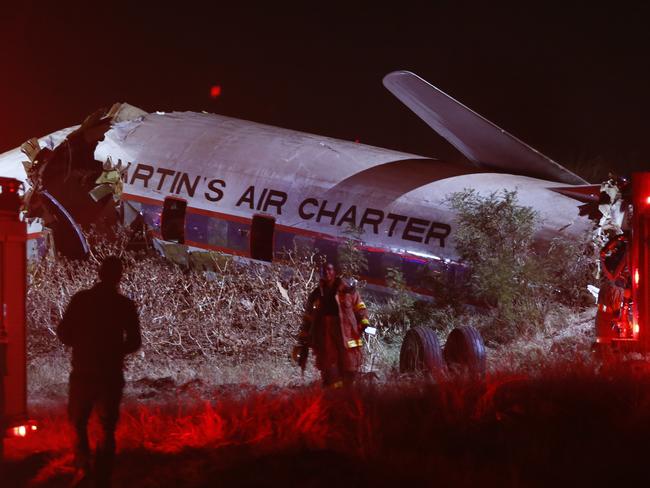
(245, 220)
(229, 217)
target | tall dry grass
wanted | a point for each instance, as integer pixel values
(570, 426)
(236, 314)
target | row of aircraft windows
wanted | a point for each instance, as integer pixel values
(263, 241)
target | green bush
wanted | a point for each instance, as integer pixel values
(403, 309)
(515, 280)
(571, 265)
(351, 260)
(396, 313)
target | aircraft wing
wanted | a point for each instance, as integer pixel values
(478, 139)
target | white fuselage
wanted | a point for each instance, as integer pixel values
(228, 170)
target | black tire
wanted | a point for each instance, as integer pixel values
(421, 352)
(465, 350)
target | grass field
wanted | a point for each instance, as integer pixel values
(546, 415)
(213, 399)
(573, 424)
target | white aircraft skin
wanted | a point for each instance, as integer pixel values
(315, 187)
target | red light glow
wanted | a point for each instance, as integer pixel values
(22, 430)
(636, 276)
(367, 428)
(215, 91)
(635, 329)
(647, 201)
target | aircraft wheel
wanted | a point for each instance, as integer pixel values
(465, 351)
(421, 352)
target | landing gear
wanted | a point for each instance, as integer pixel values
(421, 352)
(464, 352)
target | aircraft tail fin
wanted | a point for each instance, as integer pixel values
(478, 139)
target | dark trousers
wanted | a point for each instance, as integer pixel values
(331, 354)
(334, 376)
(104, 395)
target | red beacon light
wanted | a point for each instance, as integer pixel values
(10, 200)
(9, 185)
(23, 430)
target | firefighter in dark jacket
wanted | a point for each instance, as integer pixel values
(101, 325)
(333, 324)
(612, 316)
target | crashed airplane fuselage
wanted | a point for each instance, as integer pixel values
(216, 183)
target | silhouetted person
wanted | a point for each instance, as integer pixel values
(102, 327)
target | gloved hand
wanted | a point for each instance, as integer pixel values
(300, 354)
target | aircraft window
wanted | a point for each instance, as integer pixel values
(261, 242)
(304, 243)
(328, 249)
(457, 273)
(238, 236)
(172, 224)
(151, 215)
(374, 265)
(196, 228)
(217, 230)
(283, 241)
(390, 260)
(412, 271)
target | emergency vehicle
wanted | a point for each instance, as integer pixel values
(14, 420)
(623, 317)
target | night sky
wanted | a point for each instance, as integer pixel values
(573, 82)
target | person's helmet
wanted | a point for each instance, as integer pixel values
(349, 284)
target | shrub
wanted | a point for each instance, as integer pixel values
(241, 311)
(351, 260)
(510, 277)
(394, 315)
(570, 267)
(402, 310)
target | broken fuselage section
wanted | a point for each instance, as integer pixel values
(74, 196)
(196, 181)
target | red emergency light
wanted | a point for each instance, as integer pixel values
(10, 201)
(22, 430)
(9, 185)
